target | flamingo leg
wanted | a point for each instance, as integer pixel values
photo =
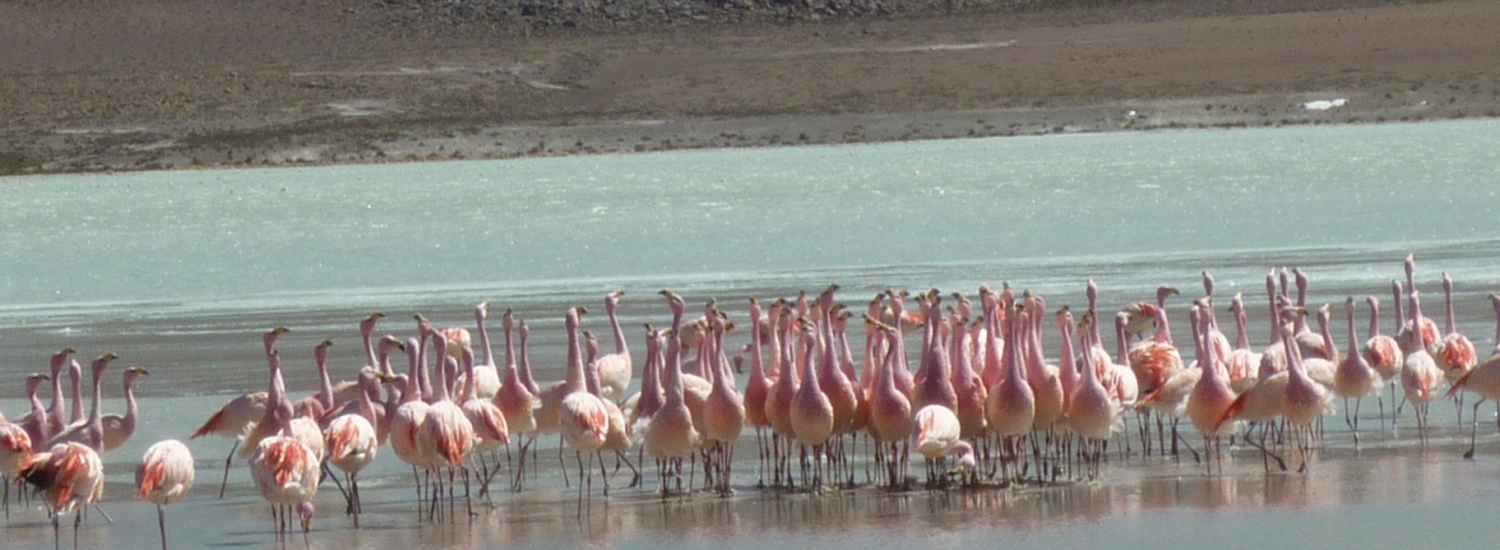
(227, 460)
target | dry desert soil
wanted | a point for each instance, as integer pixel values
(95, 85)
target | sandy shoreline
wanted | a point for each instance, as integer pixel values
(261, 87)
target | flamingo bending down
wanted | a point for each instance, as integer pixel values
(938, 438)
(285, 471)
(164, 476)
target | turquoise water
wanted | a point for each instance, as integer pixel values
(182, 271)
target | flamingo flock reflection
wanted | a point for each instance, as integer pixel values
(985, 407)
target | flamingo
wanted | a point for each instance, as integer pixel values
(70, 476)
(1092, 412)
(39, 430)
(516, 401)
(164, 476)
(670, 436)
(1354, 377)
(486, 374)
(1306, 400)
(615, 369)
(347, 391)
(1243, 363)
(351, 440)
(1011, 407)
(285, 471)
(319, 404)
(116, 428)
(1382, 352)
(1420, 374)
(446, 437)
(890, 409)
(812, 414)
(238, 417)
(410, 414)
(617, 433)
(490, 429)
(1211, 396)
(1430, 334)
(15, 443)
(938, 438)
(1483, 379)
(969, 388)
(1454, 354)
(723, 412)
(1155, 361)
(583, 419)
(757, 389)
(1143, 315)
(52, 419)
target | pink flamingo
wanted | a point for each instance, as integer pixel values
(351, 440)
(583, 420)
(285, 471)
(39, 430)
(486, 374)
(723, 413)
(70, 476)
(1092, 413)
(617, 435)
(1011, 407)
(1430, 334)
(1382, 352)
(1155, 361)
(1483, 379)
(164, 476)
(1273, 359)
(938, 437)
(52, 420)
(1420, 374)
(757, 390)
(670, 436)
(1170, 398)
(490, 429)
(890, 410)
(1243, 363)
(1454, 354)
(615, 369)
(1306, 400)
(1354, 377)
(446, 437)
(969, 389)
(515, 399)
(812, 412)
(1211, 396)
(237, 418)
(15, 443)
(319, 404)
(347, 391)
(410, 414)
(1143, 315)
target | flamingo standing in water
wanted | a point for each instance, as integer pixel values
(1454, 354)
(516, 400)
(1243, 363)
(285, 471)
(723, 413)
(1306, 400)
(890, 410)
(1420, 374)
(490, 429)
(1383, 353)
(1211, 396)
(351, 440)
(71, 473)
(812, 412)
(582, 419)
(446, 437)
(938, 438)
(15, 443)
(615, 369)
(164, 476)
(1354, 376)
(1011, 407)
(52, 420)
(347, 391)
(117, 429)
(237, 418)
(1155, 361)
(486, 374)
(1092, 413)
(1483, 379)
(1143, 315)
(670, 436)
(410, 414)
(757, 389)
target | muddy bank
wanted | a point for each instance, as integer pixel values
(218, 84)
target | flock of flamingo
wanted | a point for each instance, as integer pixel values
(983, 393)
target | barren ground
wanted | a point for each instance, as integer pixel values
(137, 84)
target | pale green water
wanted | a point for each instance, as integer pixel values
(182, 271)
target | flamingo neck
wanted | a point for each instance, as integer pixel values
(614, 322)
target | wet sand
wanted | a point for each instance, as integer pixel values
(213, 83)
(1390, 491)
